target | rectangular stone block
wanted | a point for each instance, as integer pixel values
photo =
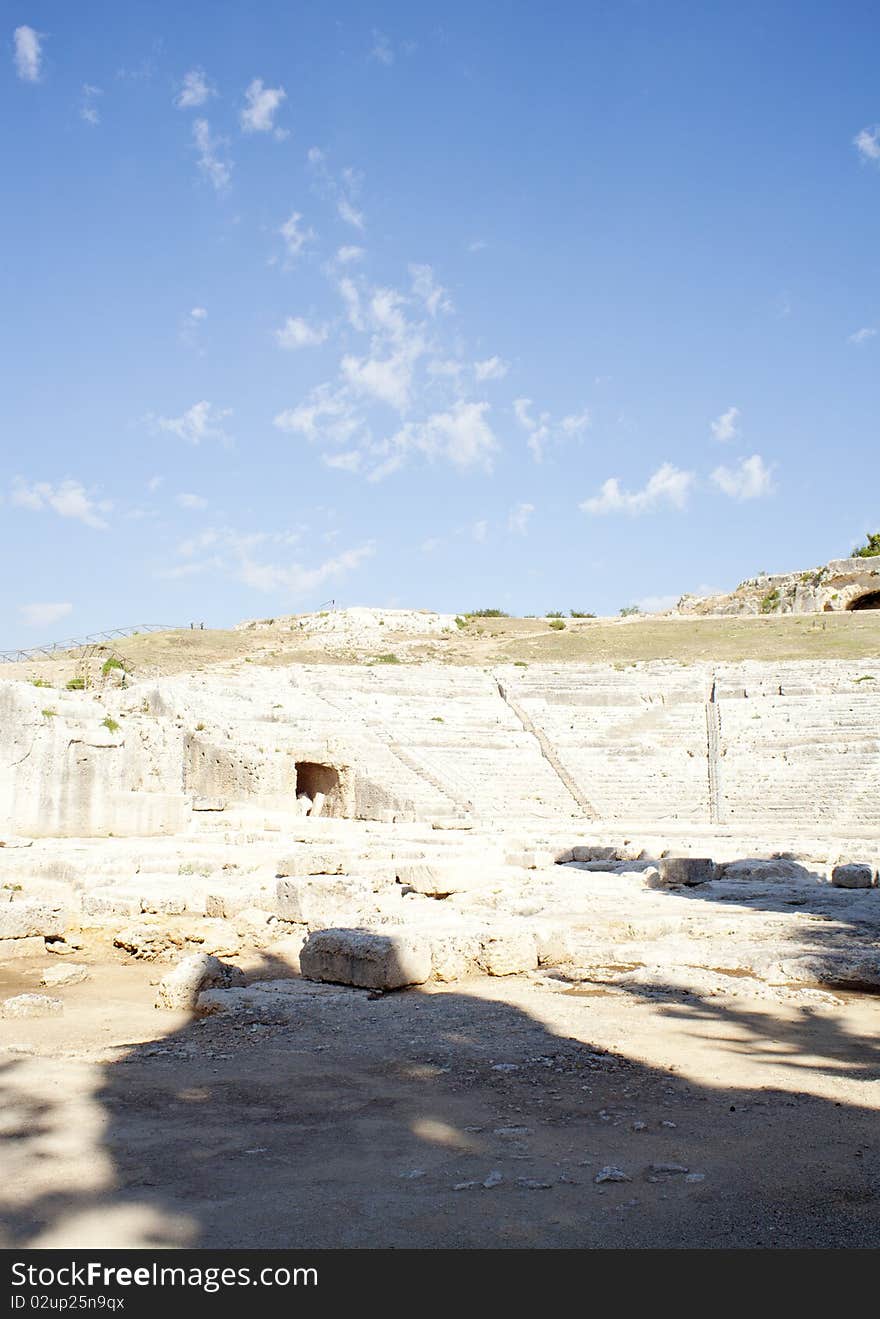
(687, 870)
(13, 950)
(110, 902)
(370, 961)
(853, 875)
(21, 920)
(322, 899)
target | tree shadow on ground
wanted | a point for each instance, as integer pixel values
(323, 1117)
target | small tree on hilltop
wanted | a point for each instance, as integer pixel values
(870, 549)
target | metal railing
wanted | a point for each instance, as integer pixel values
(80, 643)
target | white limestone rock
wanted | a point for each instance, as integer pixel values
(23, 920)
(390, 960)
(32, 1005)
(686, 870)
(509, 953)
(322, 900)
(67, 973)
(853, 875)
(182, 986)
(15, 950)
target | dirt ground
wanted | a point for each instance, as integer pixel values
(484, 641)
(468, 1117)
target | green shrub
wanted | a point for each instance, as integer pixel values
(110, 664)
(110, 724)
(487, 613)
(555, 613)
(437, 719)
(76, 685)
(557, 624)
(387, 659)
(460, 622)
(200, 728)
(770, 601)
(520, 664)
(628, 611)
(580, 613)
(40, 682)
(870, 548)
(48, 713)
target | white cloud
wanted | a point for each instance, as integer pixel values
(518, 518)
(200, 422)
(867, 143)
(154, 483)
(69, 500)
(43, 615)
(263, 103)
(296, 578)
(195, 90)
(217, 170)
(88, 111)
(751, 479)
(668, 485)
(349, 213)
(352, 300)
(28, 53)
(196, 502)
(325, 416)
(724, 428)
(190, 325)
(461, 436)
(480, 531)
(297, 333)
(491, 368)
(575, 423)
(295, 237)
(863, 335)
(387, 380)
(424, 286)
(347, 254)
(381, 51)
(348, 461)
(478, 245)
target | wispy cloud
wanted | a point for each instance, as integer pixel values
(750, 479)
(863, 335)
(432, 294)
(195, 90)
(382, 51)
(215, 168)
(297, 333)
(88, 109)
(725, 427)
(491, 368)
(867, 143)
(28, 45)
(194, 502)
(348, 254)
(200, 422)
(44, 614)
(542, 431)
(518, 518)
(295, 236)
(261, 106)
(243, 557)
(69, 499)
(191, 324)
(341, 190)
(669, 485)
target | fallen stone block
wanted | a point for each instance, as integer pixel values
(313, 862)
(370, 961)
(14, 950)
(181, 987)
(322, 900)
(686, 870)
(68, 973)
(111, 902)
(208, 804)
(32, 1005)
(433, 881)
(554, 945)
(509, 954)
(454, 956)
(23, 920)
(755, 868)
(853, 875)
(163, 905)
(837, 970)
(147, 942)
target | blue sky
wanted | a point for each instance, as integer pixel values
(444, 306)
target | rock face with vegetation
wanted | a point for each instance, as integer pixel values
(838, 586)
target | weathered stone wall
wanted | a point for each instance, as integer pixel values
(835, 587)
